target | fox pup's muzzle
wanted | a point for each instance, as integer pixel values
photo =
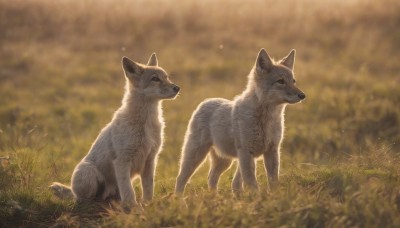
(301, 96)
(176, 88)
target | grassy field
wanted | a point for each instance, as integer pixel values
(61, 80)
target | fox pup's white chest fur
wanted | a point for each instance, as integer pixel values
(139, 125)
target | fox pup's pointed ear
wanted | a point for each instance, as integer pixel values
(263, 61)
(131, 68)
(153, 61)
(288, 61)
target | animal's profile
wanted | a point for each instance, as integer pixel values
(246, 128)
(128, 146)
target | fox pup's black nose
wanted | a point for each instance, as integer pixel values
(176, 88)
(301, 95)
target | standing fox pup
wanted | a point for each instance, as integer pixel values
(249, 126)
(128, 146)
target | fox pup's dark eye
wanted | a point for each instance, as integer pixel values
(155, 79)
(294, 81)
(281, 81)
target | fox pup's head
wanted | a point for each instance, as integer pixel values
(275, 81)
(149, 80)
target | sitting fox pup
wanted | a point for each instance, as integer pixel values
(249, 126)
(129, 144)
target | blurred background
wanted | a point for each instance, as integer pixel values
(61, 77)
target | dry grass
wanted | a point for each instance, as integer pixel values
(61, 80)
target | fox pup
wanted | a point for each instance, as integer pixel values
(246, 128)
(128, 146)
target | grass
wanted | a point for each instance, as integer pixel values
(61, 80)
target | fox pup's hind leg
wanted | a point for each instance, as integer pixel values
(218, 166)
(194, 152)
(87, 182)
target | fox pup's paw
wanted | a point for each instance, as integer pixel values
(178, 194)
(237, 193)
(146, 201)
(135, 208)
(138, 209)
(273, 186)
(181, 201)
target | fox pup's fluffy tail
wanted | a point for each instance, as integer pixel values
(61, 191)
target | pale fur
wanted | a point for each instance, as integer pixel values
(245, 129)
(128, 146)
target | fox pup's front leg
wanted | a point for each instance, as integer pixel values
(123, 174)
(247, 169)
(147, 179)
(237, 182)
(272, 163)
